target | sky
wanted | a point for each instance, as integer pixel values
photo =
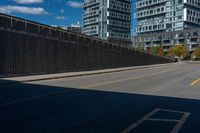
(50, 12)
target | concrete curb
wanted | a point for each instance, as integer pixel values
(71, 74)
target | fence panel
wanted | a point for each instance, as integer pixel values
(42, 49)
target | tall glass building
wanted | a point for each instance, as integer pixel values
(155, 16)
(108, 19)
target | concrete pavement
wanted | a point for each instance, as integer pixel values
(150, 100)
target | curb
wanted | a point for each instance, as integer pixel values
(84, 73)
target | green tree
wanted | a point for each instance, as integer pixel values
(139, 47)
(158, 50)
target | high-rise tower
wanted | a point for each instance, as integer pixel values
(155, 16)
(108, 19)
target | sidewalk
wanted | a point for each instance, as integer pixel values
(70, 74)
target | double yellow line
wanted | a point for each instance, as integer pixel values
(195, 82)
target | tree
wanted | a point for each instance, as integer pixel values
(197, 53)
(158, 50)
(139, 47)
(181, 51)
(148, 49)
(170, 52)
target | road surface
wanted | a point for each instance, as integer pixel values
(160, 99)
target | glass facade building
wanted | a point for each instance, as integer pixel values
(155, 16)
(108, 19)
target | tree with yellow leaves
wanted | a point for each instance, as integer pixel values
(170, 52)
(179, 50)
(197, 53)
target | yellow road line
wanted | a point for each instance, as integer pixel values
(87, 86)
(125, 79)
(195, 82)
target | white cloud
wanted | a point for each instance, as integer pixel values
(28, 1)
(75, 4)
(60, 18)
(22, 9)
(62, 10)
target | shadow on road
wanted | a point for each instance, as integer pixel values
(30, 108)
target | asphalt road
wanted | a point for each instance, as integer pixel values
(152, 100)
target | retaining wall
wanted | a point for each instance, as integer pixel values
(28, 47)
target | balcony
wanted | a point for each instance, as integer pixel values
(192, 43)
(149, 14)
(196, 5)
(167, 44)
(118, 24)
(149, 4)
(193, 37)
(90, 22)
(157, 42)
(91, 14)
(146, 41)
(90, 3)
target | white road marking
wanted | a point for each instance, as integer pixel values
(180, 123)
(140, 121)
(164, 120)
(147, 117)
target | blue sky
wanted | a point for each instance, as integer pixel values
(50, 12)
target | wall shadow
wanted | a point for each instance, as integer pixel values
(30, 108)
